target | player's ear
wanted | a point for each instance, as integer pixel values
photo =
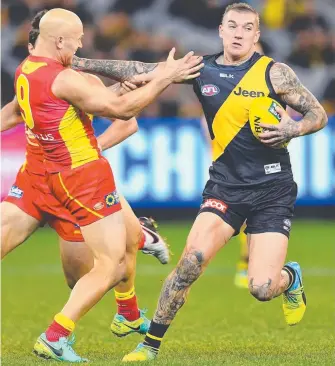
(257, 35)
(221, 31)
(60, 42)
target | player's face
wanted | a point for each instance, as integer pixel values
(239, 31)
(71, 44)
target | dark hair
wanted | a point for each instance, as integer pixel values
(33, 34)
(35, 31)
(242, 7)
(37, 18)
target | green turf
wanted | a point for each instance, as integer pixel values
(220, 324)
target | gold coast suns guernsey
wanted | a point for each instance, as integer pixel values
(64, 133)
(226, 93)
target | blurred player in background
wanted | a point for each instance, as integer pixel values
(250, 180)
(55, 103)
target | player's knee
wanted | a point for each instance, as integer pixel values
(261, 290)
(190, 266)
(71, 281)
(260, 294)
(113, 269)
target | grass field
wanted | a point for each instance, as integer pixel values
(219, 325)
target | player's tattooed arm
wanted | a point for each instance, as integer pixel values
(119, 70)
(177, 285)
(292, 92)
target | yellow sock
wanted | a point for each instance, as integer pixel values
(65, 322)
(125, 295)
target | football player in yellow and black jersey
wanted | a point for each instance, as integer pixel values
(250, 179)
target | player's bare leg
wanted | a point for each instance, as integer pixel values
(129, 317)
(16, 227)
(77, 260)
(208, 235)
(108, 268)
(267, 253)
(269, 278)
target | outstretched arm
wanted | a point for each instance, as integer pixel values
(10, 115)
(117, 132)
(119, 70)
(98, 100)
(292, 92)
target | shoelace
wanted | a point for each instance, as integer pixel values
(72, 339)
(143, 311)
(67, 343)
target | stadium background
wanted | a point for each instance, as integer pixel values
(162, 169)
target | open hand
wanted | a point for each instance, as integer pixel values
(277, 135)
(183, 69)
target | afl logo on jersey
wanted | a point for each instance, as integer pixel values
(209, 90)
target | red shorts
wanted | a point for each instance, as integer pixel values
(32, 195)
(88, 191)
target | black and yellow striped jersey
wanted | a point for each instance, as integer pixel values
(226, 93)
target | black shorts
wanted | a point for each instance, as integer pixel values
(265, 209)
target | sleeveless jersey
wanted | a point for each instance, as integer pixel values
(226, 93)
(34, 155)
(63, 131)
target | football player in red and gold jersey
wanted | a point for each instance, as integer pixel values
(56, 103)
(30, 201)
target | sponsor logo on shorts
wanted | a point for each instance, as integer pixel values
(112, 199)
(287, 225)
(15, 192)
(209, 90)
(216, 204)
(272, 168)
(98, 206)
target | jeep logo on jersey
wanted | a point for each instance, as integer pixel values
(209, 90)
(248, 93)
(216, 204)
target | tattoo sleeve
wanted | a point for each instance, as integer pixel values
(291, 91)
(113, 69)
(177, 285)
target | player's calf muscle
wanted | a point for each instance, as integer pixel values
(176, 286)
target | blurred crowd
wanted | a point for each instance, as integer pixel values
(298, 32)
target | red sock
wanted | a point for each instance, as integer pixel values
(56, 331)
(128, 308)
(142, 241)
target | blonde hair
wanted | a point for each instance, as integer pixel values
(242, 7)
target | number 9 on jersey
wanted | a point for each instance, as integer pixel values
(22, 94)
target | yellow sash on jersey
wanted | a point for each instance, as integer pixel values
(234, 112)
(29, 66)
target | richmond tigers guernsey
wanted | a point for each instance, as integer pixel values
(226, 93)
(64, 132)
